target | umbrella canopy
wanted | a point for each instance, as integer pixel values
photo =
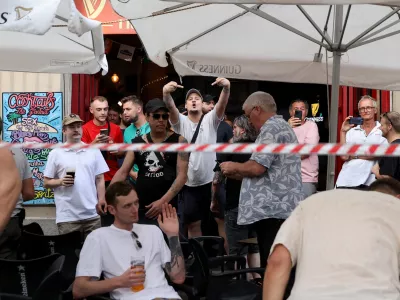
(227, 40)
(353, 45)
(49, 36)
(295, 2)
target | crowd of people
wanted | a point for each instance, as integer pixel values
(112, 197)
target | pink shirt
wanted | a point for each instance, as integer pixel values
(308, 134)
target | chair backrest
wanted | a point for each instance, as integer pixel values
(32, 278)
(65, 244)
(35, 246)
(201, 270)
(212, 245)
(33, 228)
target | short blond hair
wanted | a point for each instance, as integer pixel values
(98, 98)
(368, 97)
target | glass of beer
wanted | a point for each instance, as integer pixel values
(71, 172)
(137, 262)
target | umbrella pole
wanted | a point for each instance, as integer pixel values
(334, 106)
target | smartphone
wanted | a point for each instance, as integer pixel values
(298, 114)
(356, 121)
(217, 168)
(104, 132)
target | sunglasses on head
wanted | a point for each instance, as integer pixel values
(158, 116)
(135, 238)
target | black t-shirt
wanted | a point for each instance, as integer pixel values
(157, 171)
(233, 186)
(390, 165)
(224, 134)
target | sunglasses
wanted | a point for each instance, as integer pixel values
(158, 116)
(135, 238)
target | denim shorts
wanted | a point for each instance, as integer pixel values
(235, 233)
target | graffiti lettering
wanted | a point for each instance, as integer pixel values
(36, 163)
(38, 105)
(48, 194)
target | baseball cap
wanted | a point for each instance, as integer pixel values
(193, 91)
(154, 105)
(71, 118)
(209, 98)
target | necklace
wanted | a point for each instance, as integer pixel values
(166, 136)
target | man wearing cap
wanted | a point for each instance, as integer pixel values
(161, 175)
(77, 178)
(196, 195)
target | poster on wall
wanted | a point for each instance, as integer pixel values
(34, 118)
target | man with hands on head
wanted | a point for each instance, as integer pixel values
(109, 251)
(77, 178)
(196, 195)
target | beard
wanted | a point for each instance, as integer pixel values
(135, 119)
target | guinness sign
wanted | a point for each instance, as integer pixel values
(3, 18)
(214, 69)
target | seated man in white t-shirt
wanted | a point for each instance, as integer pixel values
(108, 251)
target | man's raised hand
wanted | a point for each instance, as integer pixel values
(171, 87)
(223, 82)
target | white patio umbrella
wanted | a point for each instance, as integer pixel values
(49, 36)
(273, 42)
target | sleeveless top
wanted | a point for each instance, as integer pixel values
(157, 171)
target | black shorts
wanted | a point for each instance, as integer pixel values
(195, 203)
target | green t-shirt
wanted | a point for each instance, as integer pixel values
(132, 132)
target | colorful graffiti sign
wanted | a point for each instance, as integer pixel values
(34, 118)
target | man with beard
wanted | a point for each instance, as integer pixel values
(389, 166)
(196, 196)
(132, 108)
(243, 132)
(161, 175)
(77, 178)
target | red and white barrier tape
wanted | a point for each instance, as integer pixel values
(304, 149)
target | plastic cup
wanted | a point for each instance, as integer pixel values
(137, 262)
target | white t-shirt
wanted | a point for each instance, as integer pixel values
(109, 250)
(24, 172)
(358, 171)
(77, 202)
(201, 165)
(346, 245)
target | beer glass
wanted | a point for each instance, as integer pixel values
(137, 262)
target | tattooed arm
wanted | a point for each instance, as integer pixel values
(176, 268)
(181, 174)
(169, 224)
(218, 179)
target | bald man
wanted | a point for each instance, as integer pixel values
(10, 186)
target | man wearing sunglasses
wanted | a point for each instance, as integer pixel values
(161, 175)
(389, 166)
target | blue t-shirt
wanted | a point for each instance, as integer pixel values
(131, 132)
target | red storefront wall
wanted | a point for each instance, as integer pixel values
(84, 88)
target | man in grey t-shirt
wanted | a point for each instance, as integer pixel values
(12, 232)
(272, 185)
